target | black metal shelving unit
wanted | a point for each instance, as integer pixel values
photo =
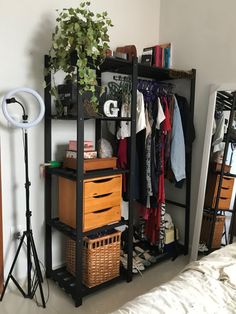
(73, 285)
(225, 101)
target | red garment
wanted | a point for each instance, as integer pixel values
(153, 215)
(166, 124)
(153, 226)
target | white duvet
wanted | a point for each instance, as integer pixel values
(204, 286)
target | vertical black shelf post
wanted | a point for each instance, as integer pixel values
(232, 223)
(48, 179)
(189, 167)
(233, 217)
(98, 123)
(132, 166)
(79, 197)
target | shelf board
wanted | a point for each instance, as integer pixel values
(63, 172)
(212, 210)
(122, 66)
(125, 67)
(114, 65)
(103, 173)
(65, 229)
(232, 175)
(74, 118)
(71, 232)
(68, 282)
(106, 227)
(163, 74)
(71, 174)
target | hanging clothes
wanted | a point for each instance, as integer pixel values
(123, 135)
(125, 130)
(161, 140)
(187, 122)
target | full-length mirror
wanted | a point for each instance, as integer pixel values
(215, 216)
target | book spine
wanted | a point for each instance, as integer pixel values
(167, 57)
(158, 56)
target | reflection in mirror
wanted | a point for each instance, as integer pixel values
(218, 219)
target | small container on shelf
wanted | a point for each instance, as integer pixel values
(101, 258)
(216, 167)
(207, 225)
(91, 164)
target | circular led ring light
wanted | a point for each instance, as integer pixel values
(21, 124)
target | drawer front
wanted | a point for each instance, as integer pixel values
(101, 186)
(101, 218)
(225, 192)
(224, 202)
(98, 202)
(227, 182)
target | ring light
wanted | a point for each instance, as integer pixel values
(27, 237)
(23, 124)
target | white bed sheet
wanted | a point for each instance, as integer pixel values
(204, 286)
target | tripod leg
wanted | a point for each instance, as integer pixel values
(12, 267)
(38, 270)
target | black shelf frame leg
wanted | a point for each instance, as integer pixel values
(48, 177)
(132, 167)
(79, 199)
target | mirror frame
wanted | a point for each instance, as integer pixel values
(204, 166)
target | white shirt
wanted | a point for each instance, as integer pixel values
(219, 134)
(160, 116)
(124, 130)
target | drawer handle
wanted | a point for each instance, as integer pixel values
(103, 195)
(102, 210)
(103, 180)
(224, 198)
(224, 188)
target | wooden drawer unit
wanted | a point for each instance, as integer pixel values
(225, 192)
(101, 201)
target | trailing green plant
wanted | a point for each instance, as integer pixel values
(82, 35)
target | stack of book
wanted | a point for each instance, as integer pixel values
(89, 152)
(158, 56)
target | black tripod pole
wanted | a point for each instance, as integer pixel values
(31, 249)
(28, 212)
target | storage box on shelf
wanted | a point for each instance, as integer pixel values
(92, 164)
(216, 166)
(225, 192)
(101, 201)
(207, 225)
(101, 258)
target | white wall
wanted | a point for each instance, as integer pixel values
(25, 32)
(202, 36)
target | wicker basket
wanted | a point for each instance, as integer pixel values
(207, 224)
(101, 258)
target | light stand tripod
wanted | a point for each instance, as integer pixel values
(37, 281)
